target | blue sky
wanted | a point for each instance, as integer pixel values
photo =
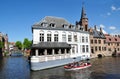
(17, 16)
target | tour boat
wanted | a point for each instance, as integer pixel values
(76, 66)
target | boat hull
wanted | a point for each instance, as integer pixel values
(77, 68)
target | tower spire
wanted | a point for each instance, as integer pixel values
(84, 20)
(83, 13)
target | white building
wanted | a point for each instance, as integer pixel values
(55, 38)
(57, 42)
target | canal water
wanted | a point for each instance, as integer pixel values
(18, 68)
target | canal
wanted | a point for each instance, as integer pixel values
(18, 68)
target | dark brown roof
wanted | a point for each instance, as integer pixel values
(51, 45)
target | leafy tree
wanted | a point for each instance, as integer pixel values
(18, 44)
(1, 44)
(27, 44)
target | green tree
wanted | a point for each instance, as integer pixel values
(27, 44)
(18, 44)
(1, 44)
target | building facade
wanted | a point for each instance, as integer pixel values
(57, 41)
(4, 43)
(97, 42)
(113, 44)
(66, 36)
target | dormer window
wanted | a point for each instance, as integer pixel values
(115, 39)
(52, 25)
(44, 24)
(70, 26)
(81, 28)
(65, 26)
(109, 39)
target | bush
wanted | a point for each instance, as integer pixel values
(6, 53)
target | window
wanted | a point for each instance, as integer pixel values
(44, 24)
(109, 39)
(99, 48)
(69, 38)
(104, 41)
(118, 49)
(92, 50)
(41, 37)
(73, 49)
(76, 48)
(64, 38)
(95, 48)
(87, 48)
(52, 25)
(117, 44)
(91, 41)
(56, 37)
(99, 41)
(86, 39)
(109, 49)
(82, 39)
(65, 26)
(48, 37)
(115, 39)
(105, 48)
(96, 41)
(75, 38)
(83, 48)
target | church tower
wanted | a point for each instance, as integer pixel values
(83, 20)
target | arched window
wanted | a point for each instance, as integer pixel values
(41, 36)
(56, 36)
(69, 37)
(49, 36)
(63, 37)
(75, 37)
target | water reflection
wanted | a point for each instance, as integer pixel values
(14, 68)
(18, 68)
(60, 73)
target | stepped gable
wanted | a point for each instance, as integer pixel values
(97, 34)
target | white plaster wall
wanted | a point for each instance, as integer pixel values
(36, 36)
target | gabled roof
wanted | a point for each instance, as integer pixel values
(56, 23)
(111, 39)
(97, 34)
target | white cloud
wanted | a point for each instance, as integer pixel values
(108, 13)
(112, 27)
(102, 26)
(113, 8)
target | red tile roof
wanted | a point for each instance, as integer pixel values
(111, 39)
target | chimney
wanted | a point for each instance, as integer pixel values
(95, 27)
(100, 29)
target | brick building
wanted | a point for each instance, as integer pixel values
(4, 43)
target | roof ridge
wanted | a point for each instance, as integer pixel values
(55, 17)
